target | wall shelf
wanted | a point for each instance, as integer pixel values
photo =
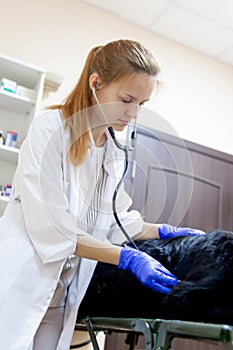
(9, 154)
(15, 103)
(4, 199)
(17, 111)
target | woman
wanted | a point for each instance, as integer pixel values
(59, 220)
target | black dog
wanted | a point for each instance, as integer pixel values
(204, 266)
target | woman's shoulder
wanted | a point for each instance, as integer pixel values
(48, 117)
(47, 124)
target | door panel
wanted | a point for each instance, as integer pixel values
(180, 182)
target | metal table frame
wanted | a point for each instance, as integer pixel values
(158, 333)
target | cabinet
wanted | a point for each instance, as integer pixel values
(16, 111)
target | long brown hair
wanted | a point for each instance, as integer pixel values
(111, 62)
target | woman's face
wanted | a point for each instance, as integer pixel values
(121, 100)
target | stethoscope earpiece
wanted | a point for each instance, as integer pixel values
(96, 87)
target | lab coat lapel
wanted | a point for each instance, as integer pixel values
(114, 166)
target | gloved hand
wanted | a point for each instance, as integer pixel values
(168, 231)
(148, 270)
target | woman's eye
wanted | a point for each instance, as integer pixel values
(126, 101)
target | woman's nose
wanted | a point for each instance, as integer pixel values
(132, 110)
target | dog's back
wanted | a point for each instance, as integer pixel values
(206, 289)
(204, 266)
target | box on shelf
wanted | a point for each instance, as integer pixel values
(25, 92)
(8, 190)
(8, 85)
(10, 138)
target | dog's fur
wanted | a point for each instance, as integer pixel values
(204, 266)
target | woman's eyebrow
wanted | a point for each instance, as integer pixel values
(126, 94)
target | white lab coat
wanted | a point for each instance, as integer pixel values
(40, 225)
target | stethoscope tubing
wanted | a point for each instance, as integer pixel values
(125, 149)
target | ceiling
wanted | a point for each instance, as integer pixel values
(203, 25)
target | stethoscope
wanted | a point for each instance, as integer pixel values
(126, 149)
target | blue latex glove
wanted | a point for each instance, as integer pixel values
(168, 231)
(148, 270)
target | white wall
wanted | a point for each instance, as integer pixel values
(197, 97)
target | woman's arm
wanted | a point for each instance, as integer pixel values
(91, 248)
(165, 231)
(148, 270)
(148, 231)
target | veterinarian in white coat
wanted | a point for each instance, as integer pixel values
(59, 220)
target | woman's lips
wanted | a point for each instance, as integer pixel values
(124, 122)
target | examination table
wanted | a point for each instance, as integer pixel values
(158, 333)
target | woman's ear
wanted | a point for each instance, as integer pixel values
(94, 81)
